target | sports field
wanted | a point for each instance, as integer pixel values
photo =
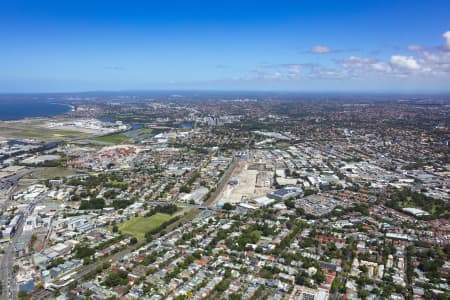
(140, 225)
(117, 138)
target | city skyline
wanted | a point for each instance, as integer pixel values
(326, 46)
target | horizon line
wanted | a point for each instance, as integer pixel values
(288, 91)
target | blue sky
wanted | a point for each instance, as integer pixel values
(67, 46)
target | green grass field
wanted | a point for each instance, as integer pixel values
(117, 138)
(50, 172)
(146, 130)
(139, 226)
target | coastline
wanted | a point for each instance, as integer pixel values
(71, 107)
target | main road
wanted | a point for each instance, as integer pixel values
(9, 289)
(8, 185)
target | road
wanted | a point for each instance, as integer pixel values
(222, 182)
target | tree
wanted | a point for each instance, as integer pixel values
(223, 285)
(87, 261)
(228, 206)
(115, 228)
(363, 293)
(319, 277)
(301, 278)
(95, 203)
(300, 211)
(185, 189)
(22, 294)
(82, 251)
(39, 285)
(117, 278)
(235, 296)
(290, 203)
(197, 254)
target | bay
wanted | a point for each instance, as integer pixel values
(16, 110)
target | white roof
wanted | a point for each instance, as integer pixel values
(263, 201)
(248, 206)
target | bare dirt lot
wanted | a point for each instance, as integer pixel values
(246, 185)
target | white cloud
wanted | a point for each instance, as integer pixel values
(415, 48)
(355, 61)
(358, 60)
(328, 73)
(381, 67)
(318, 49)
(404, 62)
(266, 74)
(295, 68)
(276, 75)
(294, 71)
(446, 36)
(425, 63)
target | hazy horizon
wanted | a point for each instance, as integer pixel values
(130, 92)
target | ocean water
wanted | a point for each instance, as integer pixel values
(15, 110)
